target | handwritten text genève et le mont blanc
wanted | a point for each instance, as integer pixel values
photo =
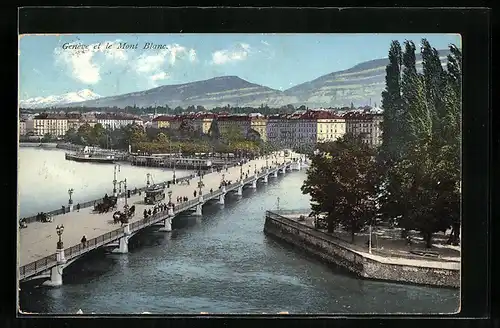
(114, 45)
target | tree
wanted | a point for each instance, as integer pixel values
(342, 182)
(214, 132)
(391, 104)
(423, 181)
(162, 138)
(233, 134)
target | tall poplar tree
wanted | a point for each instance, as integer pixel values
(391, 104)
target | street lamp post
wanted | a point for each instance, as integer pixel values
(200, 185)
(114, 178)
(370, 240)
(60, 230)
(241, 171)
(169, 193)
(70, 192)
(125, 183)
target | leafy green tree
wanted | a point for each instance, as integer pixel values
(422, 186)
(341, 181)
(391, 103)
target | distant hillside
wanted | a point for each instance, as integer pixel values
(361, 84)
(210, 93)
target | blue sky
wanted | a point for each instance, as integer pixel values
(279, 61)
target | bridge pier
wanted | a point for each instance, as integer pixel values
(239, 192)
(170, 210)
(275, 173)
(123, 242)
(254, 184)
(57, 271)
(222, 198)
(167, 225)
(199, 207)
(265, 178)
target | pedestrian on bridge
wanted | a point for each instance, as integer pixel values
(211, 190)
(84, 241)
(145, 213)
(194, 194)
(78, 207)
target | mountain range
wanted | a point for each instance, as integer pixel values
(54, 101)
(361, 85)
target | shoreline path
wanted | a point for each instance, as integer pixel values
(39, 240)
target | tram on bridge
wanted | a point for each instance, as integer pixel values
(154, 194)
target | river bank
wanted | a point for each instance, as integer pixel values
(431, 272)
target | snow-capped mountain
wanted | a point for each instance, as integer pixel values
(67, 98)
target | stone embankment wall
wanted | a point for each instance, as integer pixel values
(332, 251)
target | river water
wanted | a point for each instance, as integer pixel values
(219, 263)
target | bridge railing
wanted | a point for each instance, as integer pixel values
(50, 261)
(93, 243)
(37, 266)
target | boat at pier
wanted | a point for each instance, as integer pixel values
(170, 161)
(91, 155)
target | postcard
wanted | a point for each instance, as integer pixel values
(239, 173)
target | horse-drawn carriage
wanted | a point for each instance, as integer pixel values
(23, 224)
(125, 216)
(43, 217)
(108, 203)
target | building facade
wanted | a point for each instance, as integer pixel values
(305, 128)
(54, 124)
(164, 121)
(234, 123)
(116, 121)
(330, 126)
(22, 127)
(258, 123)
(366, 125)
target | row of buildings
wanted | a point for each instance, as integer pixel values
(57, 124)
(306, 127)
(298, 128)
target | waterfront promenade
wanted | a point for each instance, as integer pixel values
(286, 226)
(39, 240)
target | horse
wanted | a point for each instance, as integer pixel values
(131, 211)
(44, 217)
(116, 217)
(123, 219)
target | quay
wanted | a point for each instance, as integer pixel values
(285, 226)
(170, 160)
(41, 251)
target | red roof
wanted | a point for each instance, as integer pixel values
(166, 118)
(361, 116)
(234, 118)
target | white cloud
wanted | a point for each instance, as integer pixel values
(264, 42)
(238, 53)
(159, 76)
(192, 55)
(155, 78)
(147, 63)
(82, 62)
(86, 65)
